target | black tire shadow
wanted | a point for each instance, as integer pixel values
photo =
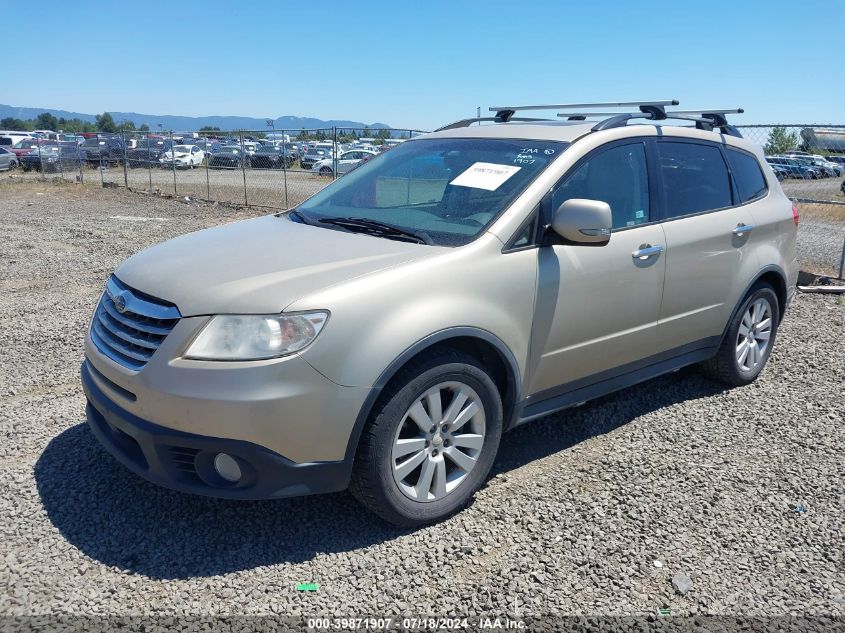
(119, 519)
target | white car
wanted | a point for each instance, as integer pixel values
(188, 156)
(346, 162)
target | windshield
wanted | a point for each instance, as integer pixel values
(27, 142)
(94, 142)
(448, 189)
(181, 148)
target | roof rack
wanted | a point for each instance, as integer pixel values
(705, 119)
(505, 113)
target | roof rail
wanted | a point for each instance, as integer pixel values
(468, 122)
(705, 119)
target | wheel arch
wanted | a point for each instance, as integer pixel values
(478, 343)
(775, 277)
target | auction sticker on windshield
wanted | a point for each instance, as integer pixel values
(487, 176)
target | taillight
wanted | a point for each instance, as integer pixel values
(795, 215)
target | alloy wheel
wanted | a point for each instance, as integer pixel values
(438, 442)
(755, 331)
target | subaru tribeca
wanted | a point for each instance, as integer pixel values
(382, 335)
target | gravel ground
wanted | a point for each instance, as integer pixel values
(591, 512)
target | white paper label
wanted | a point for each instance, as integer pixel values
(489, 176)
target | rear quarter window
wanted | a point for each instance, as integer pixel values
(694, 177)
(747, 174)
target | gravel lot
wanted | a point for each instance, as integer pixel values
(590, 512)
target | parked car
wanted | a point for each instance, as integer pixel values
(312, 155)
(384, 334)
(147, 152)
(11, 137)
(346, 162)
(229, 157)
(8, 160)
(26, 145)
(797, 169)
(207, 145)
(270, 157)
(104, 150)
(186, 156)
(823, 166)
(782, 172)
(44, 159)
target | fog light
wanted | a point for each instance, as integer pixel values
(227, 467)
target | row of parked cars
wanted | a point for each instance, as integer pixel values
(806, 166)
(51, 154)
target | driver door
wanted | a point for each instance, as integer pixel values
(597, 306)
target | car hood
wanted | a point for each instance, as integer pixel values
(258, 266)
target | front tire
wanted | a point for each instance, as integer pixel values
(749, 340)
(430, 442)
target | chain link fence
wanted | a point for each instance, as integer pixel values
(278, 169)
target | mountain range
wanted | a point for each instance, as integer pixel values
(193, 123)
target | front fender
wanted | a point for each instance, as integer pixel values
(376, 319)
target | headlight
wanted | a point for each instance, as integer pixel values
(251, 337)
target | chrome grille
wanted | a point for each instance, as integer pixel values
(128, 327)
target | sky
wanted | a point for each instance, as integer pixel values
(422, 64)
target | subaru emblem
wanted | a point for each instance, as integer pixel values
(120, 302)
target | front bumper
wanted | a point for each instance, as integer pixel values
(184, 461)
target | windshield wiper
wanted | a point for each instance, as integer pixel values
(298, 216)
(379, 229)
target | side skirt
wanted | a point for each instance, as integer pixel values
(579, 391)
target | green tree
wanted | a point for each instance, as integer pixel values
(209, 128)
(11, 123)
(780, 141)
(127, 125)
(105, 123)
(144, 128)
(46, 121)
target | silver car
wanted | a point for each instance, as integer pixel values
(384, 334)
(346, 162)
(8, 160)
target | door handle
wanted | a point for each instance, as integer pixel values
(741, 229)
(647, 250)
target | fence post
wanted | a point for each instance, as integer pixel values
(40, 160)
(173, 163)
(243, 167)
(61, 167)
(207, 160)
(100, 162)
(842, 262)
(79, 160)
(285, 166)
(334, 152)
(150, 162)
(125, 162)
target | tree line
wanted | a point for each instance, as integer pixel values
(45, 121)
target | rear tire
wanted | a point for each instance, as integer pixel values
(326, 171)
(748, 342)
(421, 456)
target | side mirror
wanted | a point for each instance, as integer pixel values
(582, 221)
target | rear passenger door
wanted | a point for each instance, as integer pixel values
(709, 229)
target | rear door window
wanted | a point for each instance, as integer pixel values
(747, 175)
(694, 178)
